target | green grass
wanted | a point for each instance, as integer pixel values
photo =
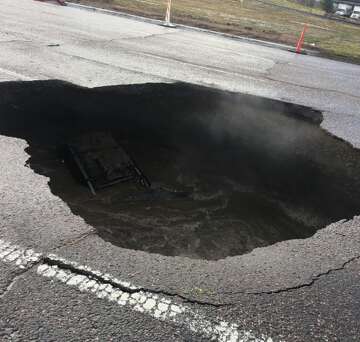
(253, 19)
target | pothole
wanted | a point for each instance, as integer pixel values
(250, 171)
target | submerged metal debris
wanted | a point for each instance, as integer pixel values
(102, 162)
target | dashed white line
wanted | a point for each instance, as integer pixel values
(122, 293)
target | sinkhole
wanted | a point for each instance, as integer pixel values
(229, 172)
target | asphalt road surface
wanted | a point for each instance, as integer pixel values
(60, 281)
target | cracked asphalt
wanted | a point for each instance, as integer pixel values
(296, 290)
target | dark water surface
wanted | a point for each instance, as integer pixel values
(230, 172)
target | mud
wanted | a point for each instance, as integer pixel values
(230, 172)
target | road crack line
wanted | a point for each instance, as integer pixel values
(11, 283)
(300, 286)
(311, 282)
(53, 260)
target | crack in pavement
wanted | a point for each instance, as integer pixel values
(18, 275)
(61, 263)
(308, 87)
(104, 279)
(15, 41)
(143, 37)
(106, 41)
(75, 240)
(114, 66)
(10, 284)
(300, 286)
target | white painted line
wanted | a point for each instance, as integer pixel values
(122, 293)
(22, 258)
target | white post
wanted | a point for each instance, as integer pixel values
(168, 12)
(167, 21)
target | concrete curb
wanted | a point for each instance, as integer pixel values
(283, 47)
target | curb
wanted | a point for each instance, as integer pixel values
(186, 27)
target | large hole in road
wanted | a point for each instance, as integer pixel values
(239, 172)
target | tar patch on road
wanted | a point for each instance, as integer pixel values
(251, 171)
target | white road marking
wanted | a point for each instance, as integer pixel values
(23, 258)
(122, 293)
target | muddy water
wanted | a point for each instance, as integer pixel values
(230, 172)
